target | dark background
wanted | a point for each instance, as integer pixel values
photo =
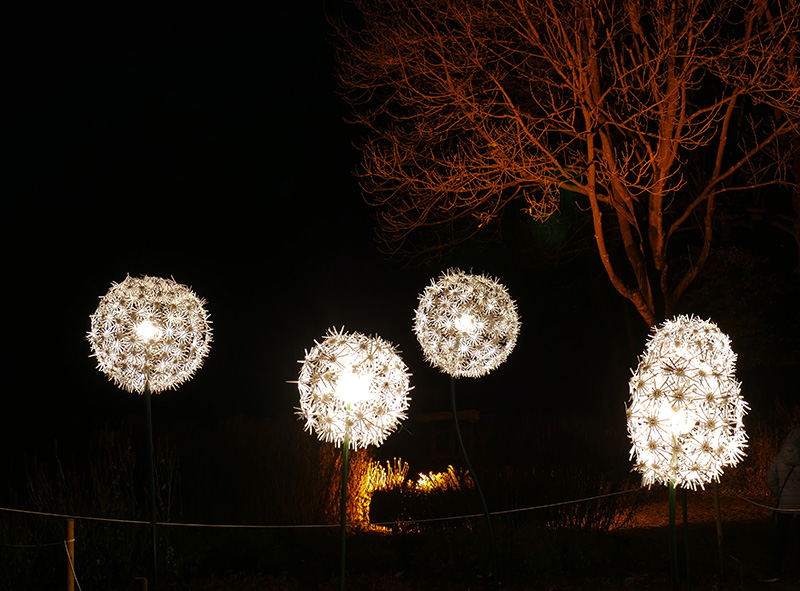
(210, 147)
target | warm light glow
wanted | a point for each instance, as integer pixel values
(685, 414)
(149, 330)
(466, 324)
(675, 420)
(355, 385)
(442, 481)
(392, 476)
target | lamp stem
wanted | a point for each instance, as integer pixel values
(152, 470)
(686, 540)
(473, 475)
(718, 519)
(343, 505)
(673, 540)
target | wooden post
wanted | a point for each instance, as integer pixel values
(70, 541)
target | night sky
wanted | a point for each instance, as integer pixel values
(210, 147)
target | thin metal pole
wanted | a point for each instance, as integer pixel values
(152, 465)
(686, 541)
(673, 542)
(343, 507)
(474, 476)
(720, 540)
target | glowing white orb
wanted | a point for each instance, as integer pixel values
(466, 324)
(355, 386)
(685, 414)
(149, 330)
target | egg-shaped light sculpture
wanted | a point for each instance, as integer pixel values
(353, 388)
(685, 413)
(466, 324)
(149, 331)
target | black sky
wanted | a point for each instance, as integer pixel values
(211, 147)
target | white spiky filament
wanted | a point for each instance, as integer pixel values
(149, 331)
(353, 385)
(685, 414)
(466, 324)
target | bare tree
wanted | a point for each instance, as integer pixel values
(649, 110)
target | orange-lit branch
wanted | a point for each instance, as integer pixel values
(468, 107)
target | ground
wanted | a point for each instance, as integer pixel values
(629, 558)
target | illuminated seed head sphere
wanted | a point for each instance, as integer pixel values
(466, 324)
(685, 414)
(355, 386)
(149, 331)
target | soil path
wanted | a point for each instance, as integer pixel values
(654, 511)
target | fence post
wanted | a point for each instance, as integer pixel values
(70, 554)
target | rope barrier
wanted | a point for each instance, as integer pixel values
(623, 492)
(66, 516)
(770, 507)
(323, 526)
(383, 523)
(505, 512)
(164, 523)
(50, 545)
(246, 526)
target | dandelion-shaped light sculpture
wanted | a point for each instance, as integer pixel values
(353, 389)
(467, 325)
(685, 414)
(150, 334)
(353, 393)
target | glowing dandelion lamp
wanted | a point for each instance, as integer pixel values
(353, 393)
(467, 325)
(685, 413)
(150, 334)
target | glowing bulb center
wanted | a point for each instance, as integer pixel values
(677, 421)
(353, 386)
(147, 331)
(466, 323)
